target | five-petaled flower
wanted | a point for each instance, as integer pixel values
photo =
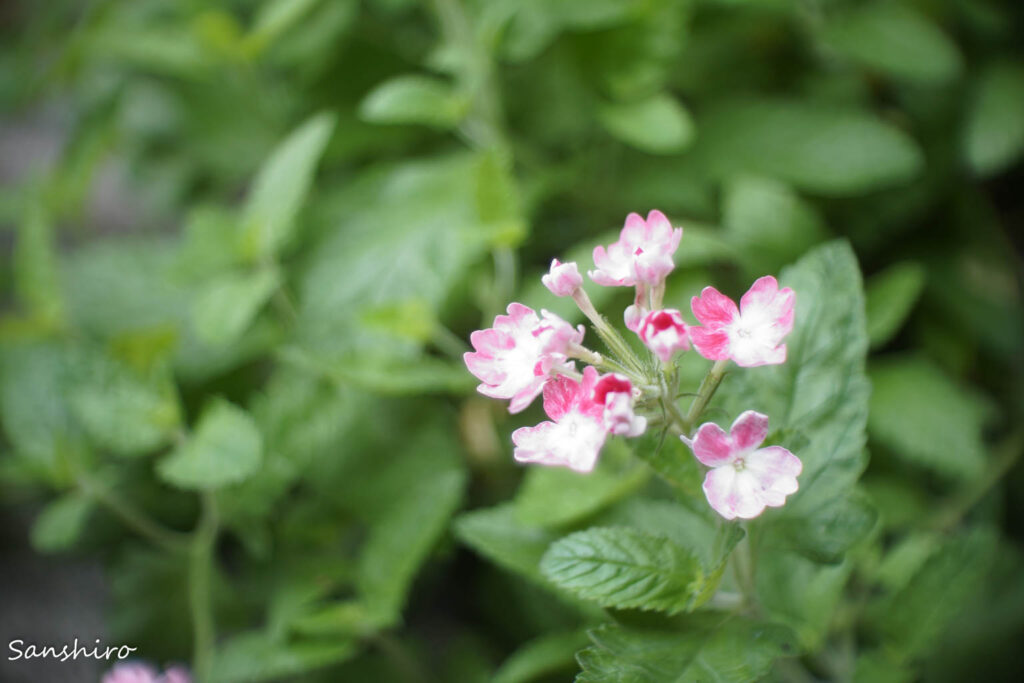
(514, 358)
(578, 432)
(744, 479)
(642, 255)
(750, 335)
(563, 279)
(615, 393)
(664, 333)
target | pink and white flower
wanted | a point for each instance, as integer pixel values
(134, 672)
(577, 434)
(664, 332)
(563, 279)
(744, 479)
(750, 335)
(643, 253)
(615, 393)
(514, 358)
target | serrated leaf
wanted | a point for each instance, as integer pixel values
(546, 655)
(897, 40)
(226, 307)
(414, 99)
(994, 137)
(280, 188)
(707, 648)
(225, 448)
(826, 534)
(925, 418)
(891, 296)
(622, 567)
(658, 124)
(60, 523)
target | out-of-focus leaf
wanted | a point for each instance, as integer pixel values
(671, 460)
(498, 535)
(891, 296)
(826, 534)
(225, 448)
(769, 224)
(546, 655)
(35, 269)
(280, 188)
(905, 559)
(880, 666)
(275, 17)
(387, 375)
(498, 203)
(814, 147)
(895, 39)
(995, 124)
(414, 99)
(622, 567)
(926, 418)
(253, 656)
(60, 524)
(709, 648)
(226, 306)
(659, 124)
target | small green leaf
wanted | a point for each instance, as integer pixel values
(547, 655)
(621, 567)
(659, 124)
(891, 296)
(61, 523)
(897, 40)
(280, 188)
(227, 306)
(994, 138)
(414, 99)
(225, 449)
(498, 535)
(925, 418)
(253, 656)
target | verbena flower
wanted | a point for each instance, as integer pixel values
(563, 279)
(664, 333)
(135, 672)
(615, 393)
(519, 353)
(642, 255)
(744, 479)
(750, 335)
(578, 432)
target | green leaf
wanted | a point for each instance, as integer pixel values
(414, 99)
(544, 656)
(60, 524)
(708, 648)
(621, 567)
(671, 460)
(552, 497)
(498, 202)
(658, 124)
(994, 137)
(35, 269)
(497, 534)
(275, 18)
(280, 188)
(891, 296)
(925, 418)
(226, 307)
(896, 40)
(768, 223)
(225, 449)
(826, 534)
(386, 375)
(814, 147)
(253, 656)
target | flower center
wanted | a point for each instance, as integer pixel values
(743, 332)
(740, 464)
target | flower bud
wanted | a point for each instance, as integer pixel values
(563, 279)
(664, 333)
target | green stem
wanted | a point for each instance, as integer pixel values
(135, 519)
(707, 390)
(200, 571)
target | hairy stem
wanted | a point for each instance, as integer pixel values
(707, 390)
(135, 519)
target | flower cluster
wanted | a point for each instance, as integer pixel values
(134, 672)
(525, 355)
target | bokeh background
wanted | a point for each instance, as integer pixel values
(244, 244)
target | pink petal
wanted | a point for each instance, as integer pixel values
(560, 395)
(718, 489)
(758, 357)
(749, 430)
(634, 231)
(482, 366)
(491, 340)
(713, 308)
(712, 344)
(712, 445)
(518, 312)
(775, 470)
(524, 397)
(761, 293)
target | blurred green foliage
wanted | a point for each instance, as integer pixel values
(246, 397)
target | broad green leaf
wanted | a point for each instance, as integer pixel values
(498, 202)
(387, 375)
(659, 124)
(225, 448)
(895, 39)
(768, 223)
(622, 567)
(671, 460)
(994, 137)
(253, 656)
(543, 656)
(497, 534)
(226, 306)
(891, 296)
(60, 523)
(35, 269)
(905, 559)
(275, 17)
(881, 666)
(554, 496)
(925, 418)
(414, 99)
(708, 648)
(814, 147)
(280, 188)
(826, 534)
